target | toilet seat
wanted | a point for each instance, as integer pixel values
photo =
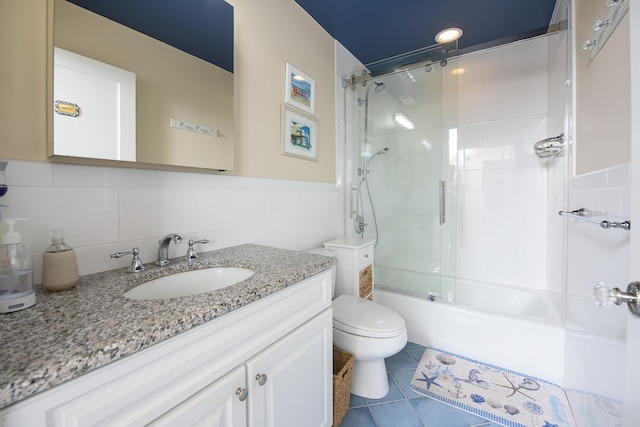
(365, 318)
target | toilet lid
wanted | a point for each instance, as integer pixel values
(365, 318)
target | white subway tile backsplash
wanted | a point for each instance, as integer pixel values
(30, 174)
(151, 213)
(153, 179)
(105, 210)
(89, 215)
(88, 176)
(221, 209)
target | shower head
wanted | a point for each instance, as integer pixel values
(364, 171)
(378, 87)
(384, 150)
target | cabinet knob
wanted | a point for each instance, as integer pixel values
(242, 393)
(261, 378)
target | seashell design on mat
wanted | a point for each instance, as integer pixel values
(511, 409)
(446, 359)
(494, 403)
(533, 408)
(477, 398)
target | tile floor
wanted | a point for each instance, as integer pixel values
(403, 407)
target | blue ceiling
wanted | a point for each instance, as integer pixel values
(372, 30)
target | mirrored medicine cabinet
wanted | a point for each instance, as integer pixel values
(113, 86)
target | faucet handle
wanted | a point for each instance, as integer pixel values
(191, 254)
(136, 264)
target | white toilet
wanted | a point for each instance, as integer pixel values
(369, 331)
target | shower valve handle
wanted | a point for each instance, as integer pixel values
(360, 224)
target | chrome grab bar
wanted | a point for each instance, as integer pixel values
(587, 215)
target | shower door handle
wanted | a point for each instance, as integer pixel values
(441, 191)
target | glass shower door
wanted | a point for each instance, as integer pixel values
(406, 193)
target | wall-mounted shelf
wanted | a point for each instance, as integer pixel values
(587, 215)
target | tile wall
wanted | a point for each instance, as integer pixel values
(505, 192)
(108, 209)
(596, 336)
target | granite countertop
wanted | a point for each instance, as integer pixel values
(69, 333)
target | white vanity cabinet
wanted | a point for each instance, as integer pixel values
(288, 385)
(217, 405)
(278, 349)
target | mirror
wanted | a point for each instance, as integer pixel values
(183, 103)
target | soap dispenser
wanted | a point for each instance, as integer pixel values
(59, 265)
(16, 272)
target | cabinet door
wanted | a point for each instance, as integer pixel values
(290, 382)
(217, 405)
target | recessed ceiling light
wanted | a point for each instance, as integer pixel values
(448, 35)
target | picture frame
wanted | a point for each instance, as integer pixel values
(300, 90)
(299, 134)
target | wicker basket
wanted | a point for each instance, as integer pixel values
(342, 370)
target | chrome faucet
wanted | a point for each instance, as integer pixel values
(163, 249)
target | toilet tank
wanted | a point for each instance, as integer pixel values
(355, 266)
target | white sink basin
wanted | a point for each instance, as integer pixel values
(189, 283)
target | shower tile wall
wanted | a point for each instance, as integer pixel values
(107, 209)
(506, 193)
(596, 336)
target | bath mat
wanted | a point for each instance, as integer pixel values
(500, 395)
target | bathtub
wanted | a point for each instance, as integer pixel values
(509, 327)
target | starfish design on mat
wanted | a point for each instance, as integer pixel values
(429, 380)
(548, 424)
(517, 389)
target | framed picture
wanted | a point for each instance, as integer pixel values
(301, 89)
(299, 134)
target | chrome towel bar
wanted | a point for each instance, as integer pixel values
(587, 215)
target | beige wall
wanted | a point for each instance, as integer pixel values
(268, 35)
(23, 79)
(602, 110)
